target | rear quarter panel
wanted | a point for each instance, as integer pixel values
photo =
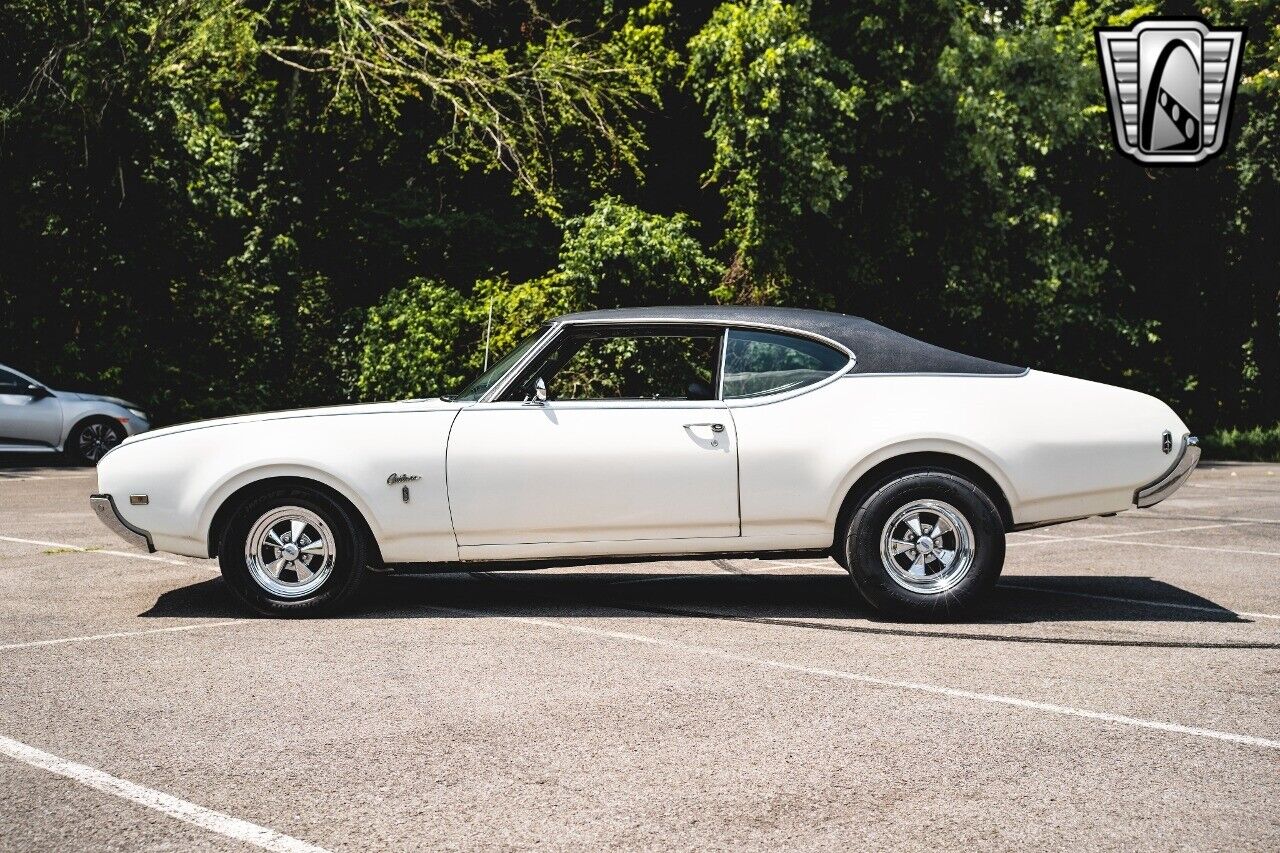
(1058, 447)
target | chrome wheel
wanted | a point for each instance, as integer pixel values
(289, 552)
(927, 547)
(96, 439)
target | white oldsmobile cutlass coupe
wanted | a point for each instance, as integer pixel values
(635, 433)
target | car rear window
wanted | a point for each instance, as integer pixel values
(760, 363)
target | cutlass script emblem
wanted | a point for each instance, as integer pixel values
(402, 478)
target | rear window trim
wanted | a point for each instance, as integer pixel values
(785, 393)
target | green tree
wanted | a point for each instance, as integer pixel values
(780, 107)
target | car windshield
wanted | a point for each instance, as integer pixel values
(476, 388)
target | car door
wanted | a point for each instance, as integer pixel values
(630, 444)
(27, 420)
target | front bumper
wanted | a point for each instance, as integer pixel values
(1152, 493)
(105, 508)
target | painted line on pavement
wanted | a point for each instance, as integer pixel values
(118, 634)
(914, 686)
(135, 555)
(1105, 536)
(18, 478)
(187, 812)
(826, 567)
(1212, 518)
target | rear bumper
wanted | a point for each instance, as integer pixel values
(104, 506)
(1152, 493)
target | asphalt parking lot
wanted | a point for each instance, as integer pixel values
(1120, 692)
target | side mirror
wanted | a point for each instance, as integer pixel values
(38, 392)
(539, 393)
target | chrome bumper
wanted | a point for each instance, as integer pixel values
(1152, 493)
(105, 507)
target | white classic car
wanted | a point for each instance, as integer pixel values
(639, 433)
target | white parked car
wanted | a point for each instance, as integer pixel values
(655, 432)
(35, 419)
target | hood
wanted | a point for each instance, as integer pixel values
(101, 398)
(428, 405)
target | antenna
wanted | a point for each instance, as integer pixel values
(488, 327)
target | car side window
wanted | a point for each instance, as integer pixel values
(10, 383)
(626, 363)
(758, 363)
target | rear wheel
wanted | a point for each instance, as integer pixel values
(293, 552)
(89, 441)
(927, 544)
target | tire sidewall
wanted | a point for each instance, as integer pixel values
(872, 578)
(349, 554)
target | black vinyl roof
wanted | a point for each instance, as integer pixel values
(877, 349)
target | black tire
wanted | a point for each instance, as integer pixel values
(342, 564)
(90, 439)
(869, 545)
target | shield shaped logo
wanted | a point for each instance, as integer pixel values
(1169, 84)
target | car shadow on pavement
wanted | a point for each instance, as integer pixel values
(20, 464)
(1018, 599)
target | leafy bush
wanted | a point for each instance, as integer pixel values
(426, 338)
(1259, 444)
(409, 346)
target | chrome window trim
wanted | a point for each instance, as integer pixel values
(557, 327)
(728, 324)
(939, 375)
(724, 355)
(499, 388)
(766, 399)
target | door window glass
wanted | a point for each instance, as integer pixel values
(759, 363)
(476, 387)
(11, 384)
(627, 363)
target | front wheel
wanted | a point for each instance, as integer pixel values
(926, 544)
(91, 440)
(292, 552)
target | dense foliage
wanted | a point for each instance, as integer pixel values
(214, 206)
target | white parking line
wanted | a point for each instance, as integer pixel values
(1151, 545)
(1242, 487)
(915, 686)
(217, 822)
(1045, 540)
(1146, 602)
(117, 634)
(135, 555)
(824, 566)
(18, 478)
(1214, 518)
(1190, 547)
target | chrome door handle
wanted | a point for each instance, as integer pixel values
(714, 427)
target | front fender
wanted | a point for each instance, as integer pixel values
(188, 476)
(218, 493)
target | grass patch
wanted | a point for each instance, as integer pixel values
(72, 550)
(1260, 444)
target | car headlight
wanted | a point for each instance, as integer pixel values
(138, 413)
